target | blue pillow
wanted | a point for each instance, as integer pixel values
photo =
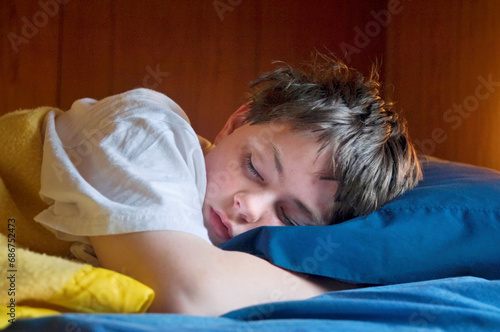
(448, 226)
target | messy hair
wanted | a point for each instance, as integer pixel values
(372, 157)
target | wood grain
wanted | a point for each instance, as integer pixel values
(440, 56)
(436, 57)
(200, 53)
(29, 55)
(86, 68)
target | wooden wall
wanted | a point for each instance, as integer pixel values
(201, 53)
(443, 58)
(435, 57)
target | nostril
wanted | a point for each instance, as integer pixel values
(237, 201)
(243, 208)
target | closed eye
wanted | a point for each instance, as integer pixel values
(287, 221)
(251, 168)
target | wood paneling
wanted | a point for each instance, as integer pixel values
(201, 53)
(87, 49)
(204, 57)
(29, 55)
(441, 54)
(437, 56)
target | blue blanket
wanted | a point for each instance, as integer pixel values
(462, 303)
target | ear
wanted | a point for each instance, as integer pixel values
(236, 120)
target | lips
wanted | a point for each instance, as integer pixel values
(219, 225)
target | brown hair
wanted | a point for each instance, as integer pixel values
(372, 156)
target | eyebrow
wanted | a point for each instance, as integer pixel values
(279, 169)
(328, 177)
(277, 159)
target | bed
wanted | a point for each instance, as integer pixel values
(465, 304)
(428, 260)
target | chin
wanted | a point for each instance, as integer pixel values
(215, 240)
(211, 236)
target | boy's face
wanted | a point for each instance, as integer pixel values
(265, 175)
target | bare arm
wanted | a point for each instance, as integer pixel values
(191, 276)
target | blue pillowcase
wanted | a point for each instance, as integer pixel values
(448, 226)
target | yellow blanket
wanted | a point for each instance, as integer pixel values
(36, 276)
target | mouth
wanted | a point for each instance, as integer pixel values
(219, 225)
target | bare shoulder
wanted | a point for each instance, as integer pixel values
(191, 276)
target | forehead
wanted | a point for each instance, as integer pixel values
(300, 145)
(304, 168)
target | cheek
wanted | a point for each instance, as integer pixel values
(325, 194)
(222, 176)
(317, 193)
(222, 158)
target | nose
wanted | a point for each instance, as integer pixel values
(253, 207)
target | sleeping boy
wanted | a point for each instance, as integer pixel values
(136, 190)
